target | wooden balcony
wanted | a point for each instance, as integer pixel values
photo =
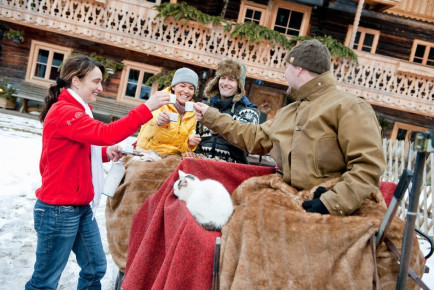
(132, 24)
(381, 5)
(415, 9)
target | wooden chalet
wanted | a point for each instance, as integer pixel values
(394, 41)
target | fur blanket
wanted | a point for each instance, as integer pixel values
(167, 248)
(270, 242)
(141, 180)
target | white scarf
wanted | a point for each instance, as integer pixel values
(96, 160)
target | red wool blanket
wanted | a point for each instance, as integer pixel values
(167, 248)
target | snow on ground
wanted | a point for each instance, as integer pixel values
(20, 143)
(20, 140)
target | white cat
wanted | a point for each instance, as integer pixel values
(207, 200)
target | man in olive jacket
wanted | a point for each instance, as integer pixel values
(324, 133)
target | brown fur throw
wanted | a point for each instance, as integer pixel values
(141, 180)
(270, 242)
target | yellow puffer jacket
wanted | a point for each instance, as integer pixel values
(170, 138)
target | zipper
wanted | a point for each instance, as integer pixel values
(149, 140)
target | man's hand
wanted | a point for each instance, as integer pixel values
(163, 118)
(316, 205)
(113, 152)
(200, 109)
(193, 140)
(157, 100)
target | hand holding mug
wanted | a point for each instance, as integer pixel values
(157, 100)
(163, 118)
(200, 109)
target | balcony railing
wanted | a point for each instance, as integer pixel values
(132, 24)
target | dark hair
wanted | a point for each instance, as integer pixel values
(79, 66)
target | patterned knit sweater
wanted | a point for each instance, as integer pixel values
(213, 145)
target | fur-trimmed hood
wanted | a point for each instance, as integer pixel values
(232, 68)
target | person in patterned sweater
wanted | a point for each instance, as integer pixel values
(226, 93)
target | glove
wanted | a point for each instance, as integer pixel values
(320, 190)
(315, 205)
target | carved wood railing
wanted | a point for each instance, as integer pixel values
(388, 82)
(132, 24)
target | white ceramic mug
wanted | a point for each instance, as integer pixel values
(172, 99)
(189, 106)
(113, 178)
(173, 117)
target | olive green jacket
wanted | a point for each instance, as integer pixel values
(325, 133)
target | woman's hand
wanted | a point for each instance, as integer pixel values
(157, 100)
(200, 109)
(113, 152)
(163, 118)
(193, 140)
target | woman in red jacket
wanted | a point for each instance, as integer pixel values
(72, 173)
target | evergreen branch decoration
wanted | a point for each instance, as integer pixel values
(163, 79)
(255, 32)
(108, 63)
(250, 30)
(6, 90)
(186, 12)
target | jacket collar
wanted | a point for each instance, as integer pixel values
(314, 88)
(66, 96)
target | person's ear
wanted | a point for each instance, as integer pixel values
(75, 81)
(299, 70)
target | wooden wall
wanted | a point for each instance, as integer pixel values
(14, 58)
(396, 34)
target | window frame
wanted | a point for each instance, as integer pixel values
(363, 31)
(410, 128)
(306, 10)
(157, 2)
(142, 67)
(253, 6)
(417, 42)
(33, 57)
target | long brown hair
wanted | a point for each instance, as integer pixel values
(79, 66)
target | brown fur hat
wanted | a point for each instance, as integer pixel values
(232, 68)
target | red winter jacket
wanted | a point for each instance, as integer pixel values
(67, 134)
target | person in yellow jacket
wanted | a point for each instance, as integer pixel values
(172, 128)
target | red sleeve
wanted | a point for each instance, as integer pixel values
(78, 126)
(104, 154)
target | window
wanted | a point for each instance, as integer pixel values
(44, 62)
(133, 81)
(158, 2)
(251, 11)
(402, 131)
(290, 18)
(422, 52)
(366, 39)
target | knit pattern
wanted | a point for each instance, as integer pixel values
(311, 55)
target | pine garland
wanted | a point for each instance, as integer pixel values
(250, 30)
(163, 79)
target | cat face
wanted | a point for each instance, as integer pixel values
(183, 187)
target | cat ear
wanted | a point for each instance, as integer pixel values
(181, 173)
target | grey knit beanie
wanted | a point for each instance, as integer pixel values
(311, 55)
(185, 75)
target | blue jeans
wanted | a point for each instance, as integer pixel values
(61, 229)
